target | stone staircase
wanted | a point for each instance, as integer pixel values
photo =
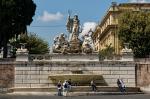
(77, 89)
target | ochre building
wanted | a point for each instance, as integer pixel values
(106, 32)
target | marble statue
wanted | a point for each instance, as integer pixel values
(22, 53)
(87, 45)
(126, 49)
(73, 44)
(56, 44)
(127, 53)
(73, 27)
(60, 43)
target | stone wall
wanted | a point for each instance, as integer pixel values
(35, 74)
(6, 76)
(143, 74)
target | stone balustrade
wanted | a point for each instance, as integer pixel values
(66, 57)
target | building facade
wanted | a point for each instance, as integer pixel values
(105, 33)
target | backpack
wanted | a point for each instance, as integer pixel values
(58, 85)
(65, 86)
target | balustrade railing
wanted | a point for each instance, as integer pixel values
(62, 57)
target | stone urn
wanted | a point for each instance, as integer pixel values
(22, 54)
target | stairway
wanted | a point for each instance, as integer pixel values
(77, 89)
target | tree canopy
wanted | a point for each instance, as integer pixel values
(134, 28)
(15, 15)
(33, 43)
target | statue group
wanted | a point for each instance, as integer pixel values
(73, 44)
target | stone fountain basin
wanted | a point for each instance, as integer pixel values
(78, 79)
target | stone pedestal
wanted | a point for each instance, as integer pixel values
(75, 46)
(127, 54)
(22, 54)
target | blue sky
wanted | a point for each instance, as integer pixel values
(50, 16)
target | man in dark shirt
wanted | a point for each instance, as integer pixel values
(69, 84)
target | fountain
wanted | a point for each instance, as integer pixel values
(78, 79)
(71, 59)
(75, 51)
(73, 44)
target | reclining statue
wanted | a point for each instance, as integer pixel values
(87, 44)
(60, 44)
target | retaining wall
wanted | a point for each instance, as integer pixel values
(35, 74)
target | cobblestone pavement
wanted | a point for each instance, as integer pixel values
(135, 96)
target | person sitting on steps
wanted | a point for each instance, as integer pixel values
(121, 85)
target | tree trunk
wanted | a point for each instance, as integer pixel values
(5, 48)
(25, 32)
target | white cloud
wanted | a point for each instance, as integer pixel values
(138, 1)
(47, 17)
(87, 26)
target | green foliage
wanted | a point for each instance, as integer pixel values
(34, 44)
(15, 15)
(134, 28)
(107, 52)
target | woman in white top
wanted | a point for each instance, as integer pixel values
(65, 88)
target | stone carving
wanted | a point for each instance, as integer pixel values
(22, 50)
(22, 53)
(60, 44)
(73, 44)
(126, 49)
(73, 27)
(87, 44)
(127, 53)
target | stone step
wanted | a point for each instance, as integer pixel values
(76, 89)
(71, 93)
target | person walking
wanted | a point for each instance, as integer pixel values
(65, 88)
(59, 88)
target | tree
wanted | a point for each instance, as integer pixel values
(134, 28)
(34, 44)
(107, 52)
(15, 15)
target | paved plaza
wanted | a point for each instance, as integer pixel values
(135, 96)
